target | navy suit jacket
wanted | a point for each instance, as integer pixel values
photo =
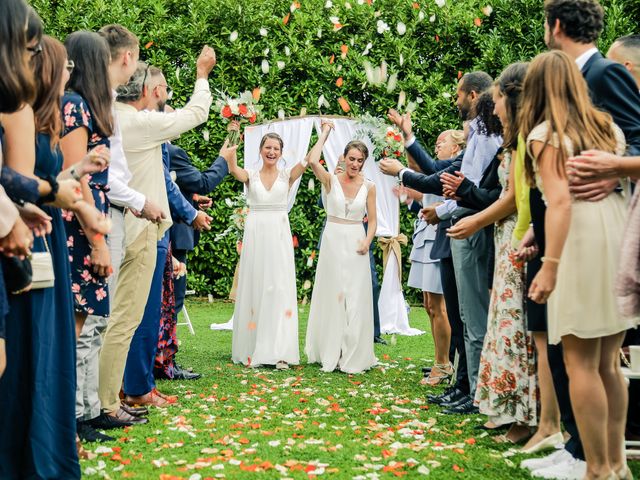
(191, 180)
(614, 90)
(181, 208)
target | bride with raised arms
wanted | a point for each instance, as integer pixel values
(340, 328)
(265, 328)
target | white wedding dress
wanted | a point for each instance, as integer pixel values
(265, 326)
(340, 328)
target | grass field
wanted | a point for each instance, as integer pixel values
(302, 423)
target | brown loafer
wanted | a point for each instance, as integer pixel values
(168, 398)
(151, 398)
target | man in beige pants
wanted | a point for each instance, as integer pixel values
(143, 133)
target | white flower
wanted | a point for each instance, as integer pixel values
(328, 4)
(432, 18)
(360, 2)
(235, 108)
(307, 284)
(265, 66)
(367, 49)
(352, 42)
(488, 10)
(347, 5)
(177, 73)
(419, 100)
(280, 64)
(287, 51)
(281, 114)
(319, 33)
(311, 185)
(205, 135)
(440, 3)
(401, 99)
(420, 16)
(382, 27)
(401, 59)
(393, 81)
(228, 202)
(234, 36)
(402, 28)
(339, 68)
(334, 20)
(293, 7)
(265, 52)
(446, 95)
(263, 32)
(322, 102)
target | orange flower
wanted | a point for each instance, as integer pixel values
(256, 94)
(148, 45)
(416, 5)
(344, 49)
(339, 82)
(346, 108)
(477, 22)
(285, 20)
(332, 59)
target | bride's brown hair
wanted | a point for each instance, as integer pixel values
(271, 136)
(554, 91)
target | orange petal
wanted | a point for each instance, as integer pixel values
(459, 74)
(332, 59)
(256, 94)
(339, 82)
(477, 22)
(416, 5)
(285, 20)
(346, 108)
(148, 45)
(344, 49)
(251, 325)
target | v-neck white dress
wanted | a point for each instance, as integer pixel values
(340, 328)
(265, 328)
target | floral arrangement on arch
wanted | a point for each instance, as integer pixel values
(242, 109)
(387, 140)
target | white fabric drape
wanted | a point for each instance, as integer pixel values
(296, 135)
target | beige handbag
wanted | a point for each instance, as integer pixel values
(42, 266)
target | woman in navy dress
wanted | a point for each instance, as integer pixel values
(87, 122)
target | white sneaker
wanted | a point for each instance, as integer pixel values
(572, 469)
(559, 456)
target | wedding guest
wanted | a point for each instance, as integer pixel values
(196, 185)
(626, 51)
(425, 272)
(441, 251)
(573, 26)
(124, 50)
(581, 308)
(341, 316)
(88, 123)
(265, 327)
(143, 133)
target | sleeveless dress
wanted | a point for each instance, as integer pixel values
(37, 418)
(583, 303)
(91, 293)
(506, 390)
(340, 328)
(425, 271)
(265, 326)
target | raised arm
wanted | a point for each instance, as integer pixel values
(230, 154)
(556, 222)
(313, 157)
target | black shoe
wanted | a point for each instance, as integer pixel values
(139, 411)
(104, 421)
(89, 434)
(426, 370)
(455, 403)
(181, 374)
(450, 395)
(465, 408)
(379, 340)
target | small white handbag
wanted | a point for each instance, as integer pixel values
(42, 267)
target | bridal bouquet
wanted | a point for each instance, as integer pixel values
(387, 139)
(238, 217)
(241, 109)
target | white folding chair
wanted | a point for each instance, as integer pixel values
(185, 314)
(631, 447)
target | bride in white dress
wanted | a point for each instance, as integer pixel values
(265, 327)
(340, 328)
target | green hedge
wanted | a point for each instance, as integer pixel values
(439, 44)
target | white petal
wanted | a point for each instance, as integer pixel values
(177, 73)
(419, 100)
(488, 10)
(228, 202)
(411, 107)
(402, 28)
(420, 16)
(311, 186)
(319, 33)
(334, 20)
(383, 71)
(265, 66)
(401, 59)
(440, 3)
(321, 101)
(265, 52)
(292, 8)
(347, 5)
(352, 41)
(402, 97)
(367, 48)
(205, 135)
(281, 114)
(233, 36)
(263, 32)
(339, 68)
(446, 95)
(287, 51)
(329, 4)
(393, 81)
(432, 18)
(280, 64)
(369, 71)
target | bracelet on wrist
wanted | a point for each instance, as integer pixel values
(550, 260)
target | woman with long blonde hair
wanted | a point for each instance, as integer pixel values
(582, 245)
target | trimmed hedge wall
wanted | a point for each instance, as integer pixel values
(428, 44)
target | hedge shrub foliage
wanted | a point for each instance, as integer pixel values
(442, 40)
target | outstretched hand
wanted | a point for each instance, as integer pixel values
(390, 166)
(230, 154)
(403, 122)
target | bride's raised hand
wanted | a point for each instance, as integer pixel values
(326, 126)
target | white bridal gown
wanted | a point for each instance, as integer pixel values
(340, 328)
(265, 326)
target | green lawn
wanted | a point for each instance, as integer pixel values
(302, 423)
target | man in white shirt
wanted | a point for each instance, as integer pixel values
(143, 133)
